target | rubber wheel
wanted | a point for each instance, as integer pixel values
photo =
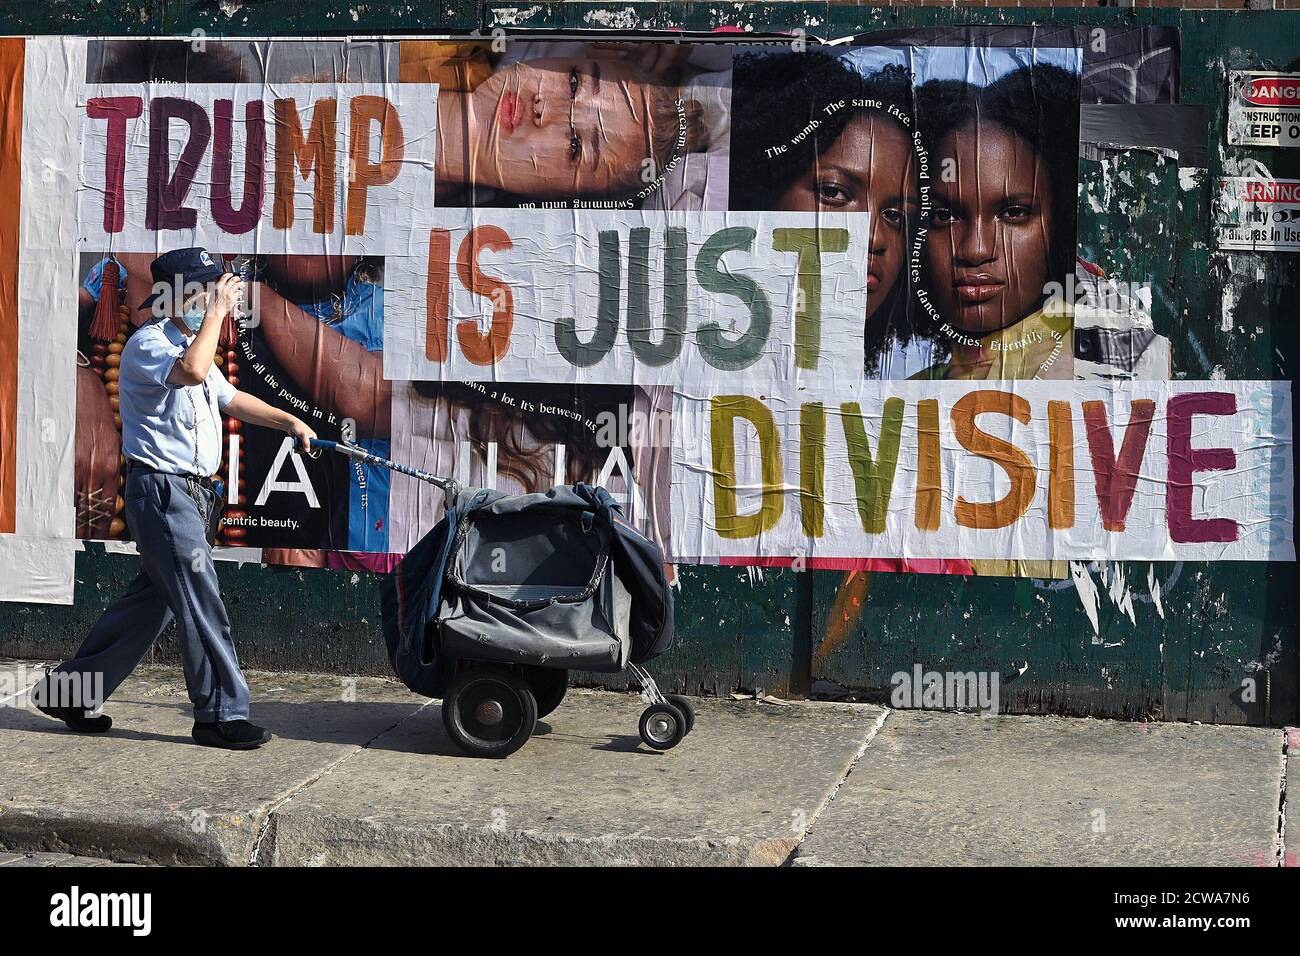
(489, 712)
(684, 705)
(662, 726)
(548, 685)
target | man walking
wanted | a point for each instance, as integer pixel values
(171, 399)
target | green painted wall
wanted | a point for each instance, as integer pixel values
(789, 632)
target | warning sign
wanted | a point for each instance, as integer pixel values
(1263, 109)
(1259, 215)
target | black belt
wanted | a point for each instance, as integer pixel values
(202, 480)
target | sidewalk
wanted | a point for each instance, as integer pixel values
(362, 773)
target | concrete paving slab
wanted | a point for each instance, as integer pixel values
(955, 789)
(146, 792)
(17, 678)
(36, 860)
(585, 790)
(56, 859)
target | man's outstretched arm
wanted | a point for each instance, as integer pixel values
(251, 409)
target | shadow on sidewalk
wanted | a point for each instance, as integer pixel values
(397, 727)
(325, 722)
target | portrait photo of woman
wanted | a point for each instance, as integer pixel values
(1001, 234)
(856, 158)
(621, 125)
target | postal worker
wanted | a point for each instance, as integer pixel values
(171, 399)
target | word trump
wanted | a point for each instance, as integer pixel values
(943, 469)
(617, 297)
(222, 159)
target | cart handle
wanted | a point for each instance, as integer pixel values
(449, 485)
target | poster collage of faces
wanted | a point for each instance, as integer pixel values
(963, 150)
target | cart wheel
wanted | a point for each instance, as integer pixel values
(548, 685)
(662, 726)
(489, 712)
(684, 705)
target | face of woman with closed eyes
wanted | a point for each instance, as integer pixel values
(869, 168)
(560, 128)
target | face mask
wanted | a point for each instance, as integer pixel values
(193, 318)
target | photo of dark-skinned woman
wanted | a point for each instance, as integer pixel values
(858, 158)
(1003, 224)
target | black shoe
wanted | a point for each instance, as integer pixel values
(230, 734)
(74, 717)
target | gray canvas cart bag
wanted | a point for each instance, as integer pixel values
(530, 581)
(512, 579)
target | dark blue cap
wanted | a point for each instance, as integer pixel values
(193, 266)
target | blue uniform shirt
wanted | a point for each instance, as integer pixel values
(160, 420)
